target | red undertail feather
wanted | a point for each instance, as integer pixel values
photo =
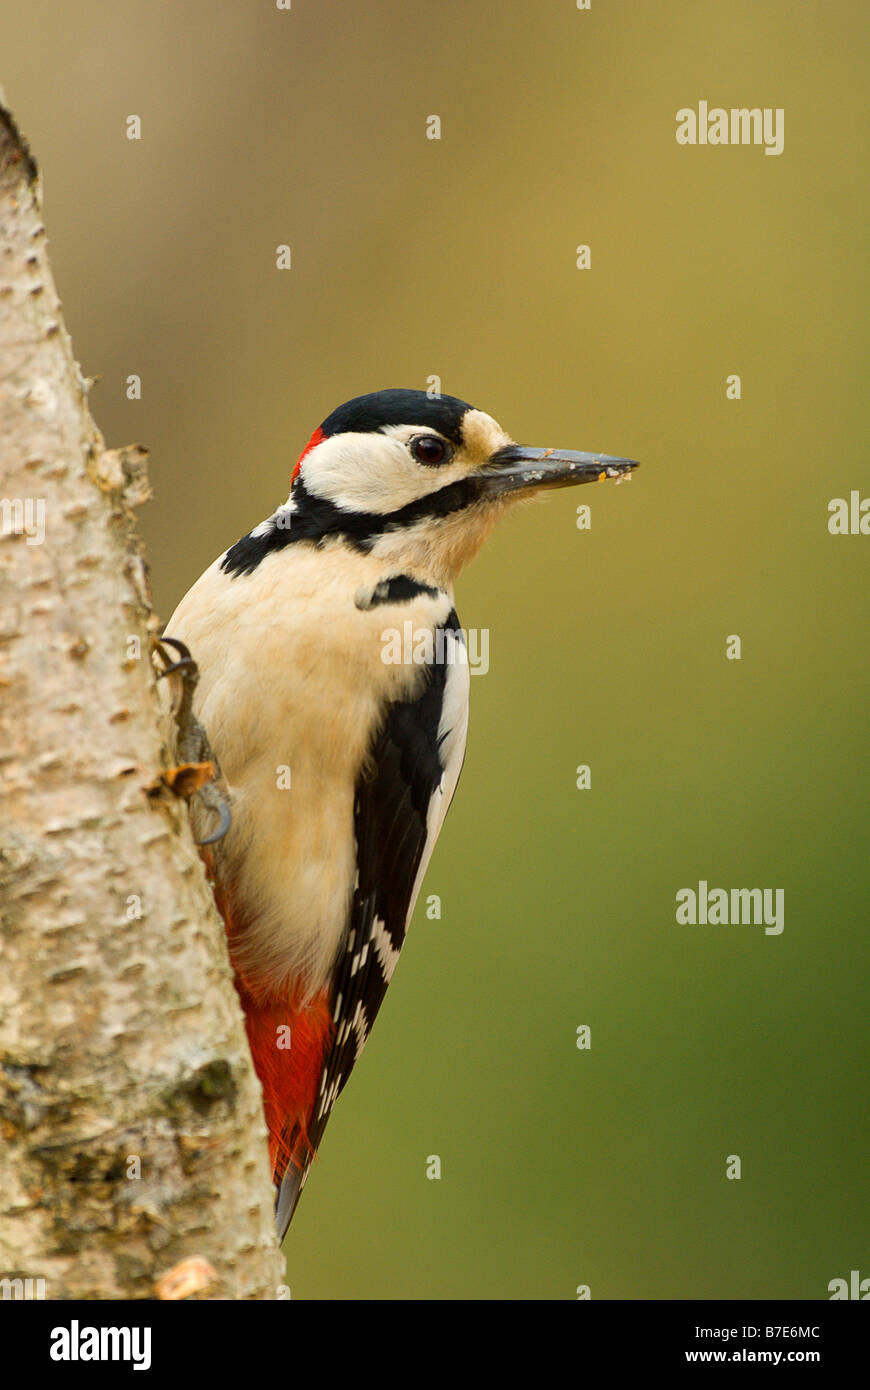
(288, 1041)
(288, 1046)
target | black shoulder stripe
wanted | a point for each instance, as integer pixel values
(400, 588)
(246, 554)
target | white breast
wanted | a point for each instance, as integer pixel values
(291, 688)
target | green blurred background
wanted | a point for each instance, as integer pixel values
(413, 257)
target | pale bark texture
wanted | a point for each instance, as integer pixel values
(132, 1143)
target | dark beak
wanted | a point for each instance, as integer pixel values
(517, 469)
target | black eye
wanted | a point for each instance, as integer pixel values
(429, 449)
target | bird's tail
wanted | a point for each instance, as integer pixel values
(289, 1041)
(288, 1045)
(288, 1195)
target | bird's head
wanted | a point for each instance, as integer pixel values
(417, 479)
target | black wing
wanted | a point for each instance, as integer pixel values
(414, 760)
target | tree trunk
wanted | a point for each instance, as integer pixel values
(132, 1143)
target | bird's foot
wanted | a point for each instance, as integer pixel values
(197, 772)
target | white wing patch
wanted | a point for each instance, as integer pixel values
(386, 951)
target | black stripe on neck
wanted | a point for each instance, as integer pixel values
(317, 519)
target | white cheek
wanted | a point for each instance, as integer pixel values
(371, 473)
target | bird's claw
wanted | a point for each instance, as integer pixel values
(212, 798)
(193, 745)
(184, 663)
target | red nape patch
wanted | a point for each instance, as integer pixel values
(317, 438)
(288, 1046)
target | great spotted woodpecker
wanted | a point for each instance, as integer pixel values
(341, 764)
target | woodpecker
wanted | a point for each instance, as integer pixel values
(341, 764)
